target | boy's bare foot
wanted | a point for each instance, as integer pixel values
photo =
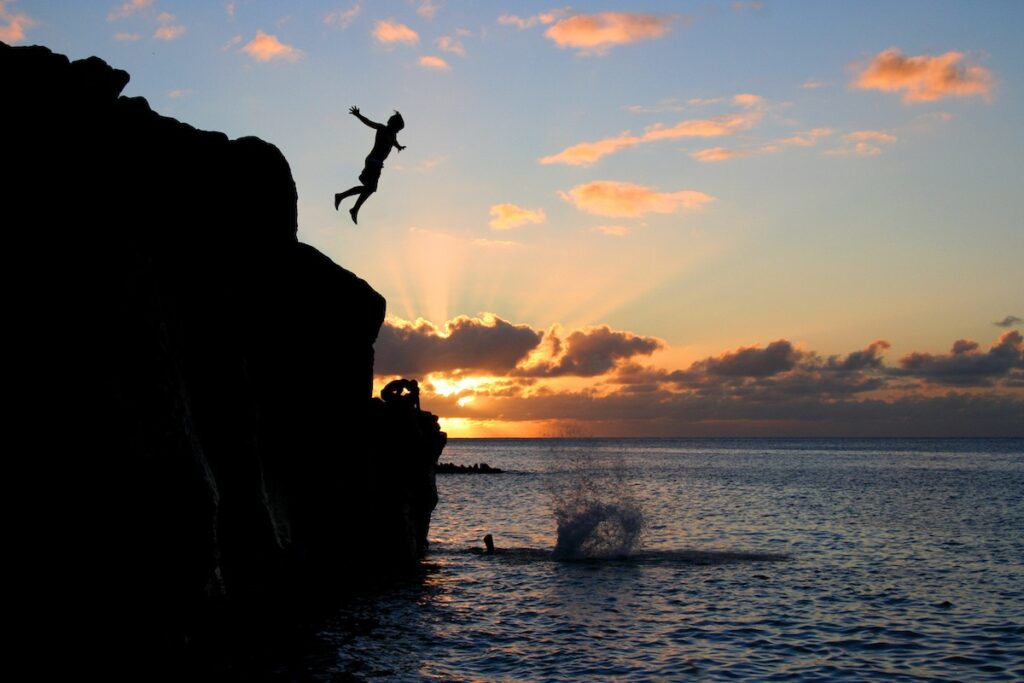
(353, 213)
(337, 200)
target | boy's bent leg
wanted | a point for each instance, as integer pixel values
(347, 193)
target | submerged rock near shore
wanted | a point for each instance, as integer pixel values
(203, 438)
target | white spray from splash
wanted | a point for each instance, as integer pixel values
(597, 517)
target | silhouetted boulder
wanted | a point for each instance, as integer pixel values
(202, 439)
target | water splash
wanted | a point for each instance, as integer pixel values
(596, 515)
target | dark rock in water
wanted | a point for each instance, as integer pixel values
(200, 434)
(478, 468)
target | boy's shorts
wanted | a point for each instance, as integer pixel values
(371, 173)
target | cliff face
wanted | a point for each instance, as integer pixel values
(200, 378)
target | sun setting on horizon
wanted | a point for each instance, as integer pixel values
(651, 219)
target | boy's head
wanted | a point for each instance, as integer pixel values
(396, 122)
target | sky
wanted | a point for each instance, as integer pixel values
(756, 218)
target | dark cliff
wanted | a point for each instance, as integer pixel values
(202, 438)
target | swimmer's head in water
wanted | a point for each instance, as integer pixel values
(489, 542)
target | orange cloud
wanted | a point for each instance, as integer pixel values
(597, 33)
(747, 100)
(169, 32)
(873, 135)
(863, 143)
(387, 31)
(14, 30)
(804, 139)
(432, 62)
(453, 45)
(508, 216)
(925, 78)
(124, 37)
(427, 9)
(128, 8)
(587, 153)
(718, 154)
(343, 18)
(807, 138)
(264, 48)
(617, 199)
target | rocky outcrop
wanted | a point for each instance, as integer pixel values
(201, 426)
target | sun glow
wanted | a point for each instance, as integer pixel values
(443, 386)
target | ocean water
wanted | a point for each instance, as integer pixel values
(675, 559)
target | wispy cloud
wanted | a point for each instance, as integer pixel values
(619, 199)
(235, 40)
(265, 47)
(587, 153)
(343, 18)
(747, 100)
(178, 93)
(229, 9)
(544, 18)
(741, 6)
(925, 78)
(595, 34)
(389, 32)
(125, 37)
(612, 230)
(1009, 321)
(433, 62)
(812, 84)
(427, 9)
(669, 104)
(12, 30)
(719, 154)
(453, 45)
(508, 216)
(808, 138)
(128, 8)
(863, 143)
(169, 30)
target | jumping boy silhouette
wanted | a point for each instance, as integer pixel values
(382, 144)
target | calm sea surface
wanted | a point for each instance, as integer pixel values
(705, 560)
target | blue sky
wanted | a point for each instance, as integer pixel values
(825, 173)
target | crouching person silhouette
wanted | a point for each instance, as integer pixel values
(392, 394)
(386, 139)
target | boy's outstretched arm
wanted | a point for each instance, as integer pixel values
(372, 124)
(398, 146)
